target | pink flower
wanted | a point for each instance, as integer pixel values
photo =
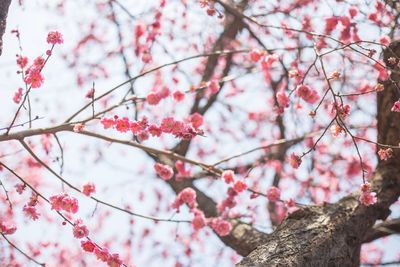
(188, 196)
(220, 226)
(107, 123)
(385, 154)
(396, 106)
(307, 94)
(368, 198)
(122, 125)
(54, 38)
(102, 254)
(269, 60)
(65, 202)
(153, 98)
(164, 171)
(196, 119)
(256, 55)
(229, 176)
(199, 220)
(353, 11)
(239, 186)
(154, 130)
(31, 212)
(143, 136)
(167, 124)
(80, 230)
(294, 161)
(178, 96)
(90, 93)
(20, 188)
(7, 229)
(34, 78)
(22, 61)
(88, 246)
(88, 189)
(385, 40)
(330, 24)
(365, 187)
(114, 260)
(214, 86)
(17, 96)
(273, 194)
(79, 127)
(282, 99)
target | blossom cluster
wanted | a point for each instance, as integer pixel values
(306, 93)
(143, 129)
(102, 254)
(64, 202)
(29, 209)
(367, 197)
(7, 229)
(188, 196)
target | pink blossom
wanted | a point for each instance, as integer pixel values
(178, 95)
(385, 40)
(214, 86)
(34, 78)
(20, 188)
(107, 123)
(188, 196)
(114, 260)
(396, 106)
(122, 125)
(365, 187)
(153, 98)
(154, 130)
(88, 245)
(7, 229)
(307, 94)
(143, 136)
(79, 127)
(294, 160)
(17, 96)
(229, 176)
(385, 154)
(102, 254)
(256, 55)
(64, 202)
(368, 198)
(164, 171)
(269, 60)
(273, 194)
(31, 212)
(80, 230)
(22, 61)
(88, 189)
(199, 220)
(353, 11)
(282, 99)
(220, 226)
(167, 124)
(90, 93)
(239, 186)
(54, 38)
(196, 119)
(330, 24)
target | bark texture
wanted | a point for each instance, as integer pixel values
(332, 234)
(4, 5)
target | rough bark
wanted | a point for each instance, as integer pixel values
(332, 234)
(4, 5)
